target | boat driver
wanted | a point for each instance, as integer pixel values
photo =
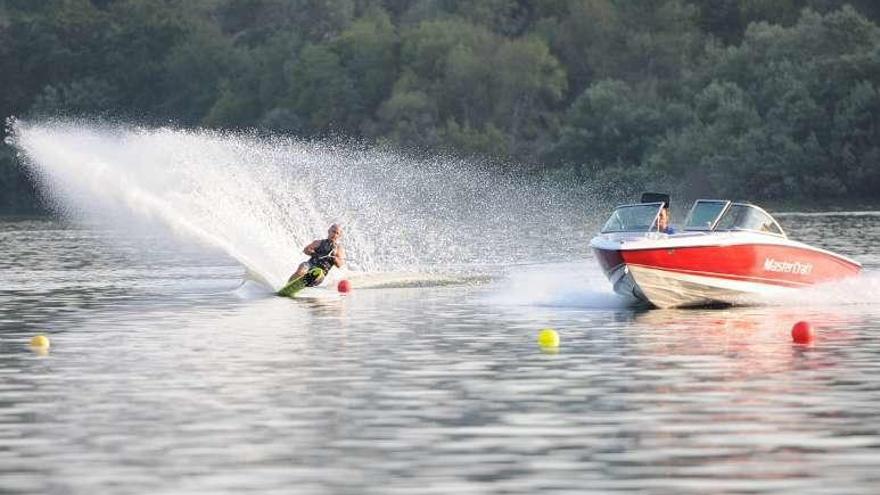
(324, 254)
(663, 224)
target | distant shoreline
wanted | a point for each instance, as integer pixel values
(822, 206)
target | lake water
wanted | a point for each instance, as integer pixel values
(166, 376)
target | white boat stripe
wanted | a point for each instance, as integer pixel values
(724, 275)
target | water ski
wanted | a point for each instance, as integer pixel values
(311, 278)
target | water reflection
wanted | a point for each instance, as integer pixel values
(167, 378)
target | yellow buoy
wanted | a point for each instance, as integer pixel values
(548, 338)
(40, 341)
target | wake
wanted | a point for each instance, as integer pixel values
(260, 199)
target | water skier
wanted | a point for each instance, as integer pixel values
(324, 254)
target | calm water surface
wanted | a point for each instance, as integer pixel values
(165, 376)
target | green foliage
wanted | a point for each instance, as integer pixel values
(488, 141)
(482, 83)
(722, 140)
(410, 116)
(529, 82)
(755, 98)
(251, 22)
(18, 195)
(506, 17)
(637, 42)
(254, 92)
(322, 91)
(367, 51)
(612, 124)
(801, 119)
(192, 70)
(141, 37)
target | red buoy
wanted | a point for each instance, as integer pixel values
(343, 286)
(802, 333)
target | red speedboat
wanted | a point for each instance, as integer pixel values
(727, 252)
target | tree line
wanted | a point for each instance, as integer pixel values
(750, 98)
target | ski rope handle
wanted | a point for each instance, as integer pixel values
(331, 254)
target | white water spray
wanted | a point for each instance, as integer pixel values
(260, 199)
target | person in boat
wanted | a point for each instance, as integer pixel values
(323, 254)
(663, 224)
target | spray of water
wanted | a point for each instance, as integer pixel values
(260, 199)
(579, 284)
(863, 290)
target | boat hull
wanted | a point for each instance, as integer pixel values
(670, 274)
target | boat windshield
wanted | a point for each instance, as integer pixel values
(742, 216)
(633, 218)
(704, 214)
